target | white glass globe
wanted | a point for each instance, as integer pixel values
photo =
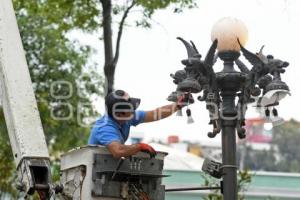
(227, 30)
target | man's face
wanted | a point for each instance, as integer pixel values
(123, 117)
(123, 111)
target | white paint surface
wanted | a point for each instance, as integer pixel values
(20, 108)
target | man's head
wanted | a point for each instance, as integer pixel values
(120, 106)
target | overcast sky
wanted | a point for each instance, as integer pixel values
(148, 56)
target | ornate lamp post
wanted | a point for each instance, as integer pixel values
(261, 84)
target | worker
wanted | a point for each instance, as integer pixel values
(112, 129)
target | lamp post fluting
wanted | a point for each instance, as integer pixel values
(228, 92)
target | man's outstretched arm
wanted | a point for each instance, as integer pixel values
(161, 112)
(166, 111)
(119, 150)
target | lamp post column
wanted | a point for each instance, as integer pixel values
(229, 82)
(229, 152)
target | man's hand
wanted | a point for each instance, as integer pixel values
(184, 100)
(147, 149)
(119, 150)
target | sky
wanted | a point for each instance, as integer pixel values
(148, 56)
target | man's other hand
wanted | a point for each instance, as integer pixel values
(147, 149)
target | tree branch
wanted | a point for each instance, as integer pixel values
(109, 69)
(121, 26)
(107, 31)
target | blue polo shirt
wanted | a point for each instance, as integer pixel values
(106, 129)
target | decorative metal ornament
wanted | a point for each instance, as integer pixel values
(261, 84)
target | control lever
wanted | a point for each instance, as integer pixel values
(118, 167)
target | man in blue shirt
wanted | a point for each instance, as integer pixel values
(112, 130)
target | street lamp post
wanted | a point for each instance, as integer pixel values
(261, 84)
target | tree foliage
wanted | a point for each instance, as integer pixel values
(6, 165)
(283, 155)
(243, 180)
(59, 68)
(287, 140)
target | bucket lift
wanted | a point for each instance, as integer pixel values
(92, 173)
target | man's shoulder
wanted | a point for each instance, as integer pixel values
(139, 117)
(102, 119)
(105, 123)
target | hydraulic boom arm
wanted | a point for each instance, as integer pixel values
(20, 108)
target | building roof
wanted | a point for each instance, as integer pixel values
(178, 159)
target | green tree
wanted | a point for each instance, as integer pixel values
(102, 15)
(283, 154)
(287, 139)
(53, 57)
